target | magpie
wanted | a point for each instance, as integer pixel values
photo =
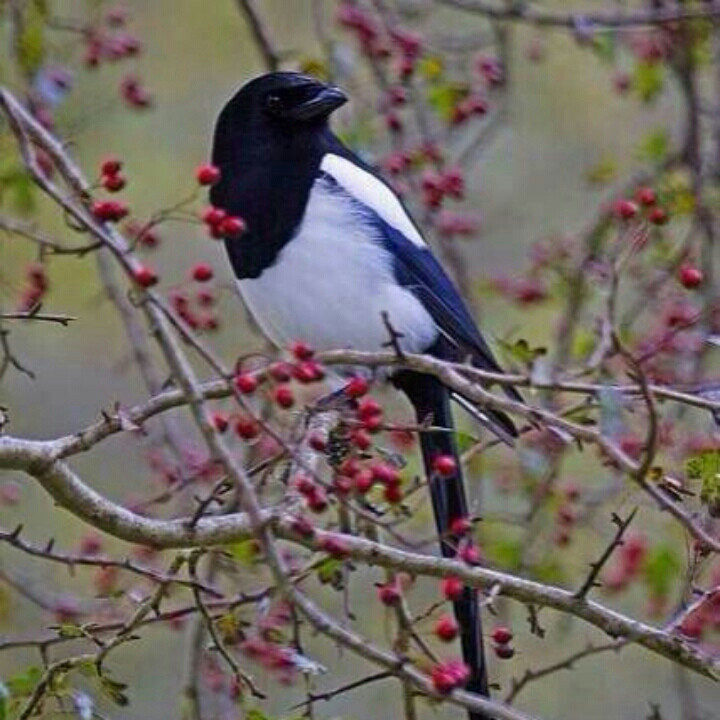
(330, 254)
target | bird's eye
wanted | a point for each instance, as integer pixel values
(273, 103)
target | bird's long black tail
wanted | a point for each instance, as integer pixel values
(432, 400)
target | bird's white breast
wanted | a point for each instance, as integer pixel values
(331, 283)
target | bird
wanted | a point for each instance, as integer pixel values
(330, 256)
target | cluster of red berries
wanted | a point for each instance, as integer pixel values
(627, 564)
(448, 675)
(502, 637)
(110, 176)
(109, 42)
(145, 236)
(222, 225)
(196, 310)
(566, 515)
(453, 224)
(645, 199)
(438, 185)
(134, 92)
(36, 285)
(404, 45)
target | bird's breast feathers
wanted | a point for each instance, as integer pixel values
(334, 279)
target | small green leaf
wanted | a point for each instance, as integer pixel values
(603, 172)
(648, 80)
(245, 551)
(654, 146)
(329, 572)
(660, 570)
(24, 683)
(521, 351)
(114, 690)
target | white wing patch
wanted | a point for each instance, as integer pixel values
(371, 192)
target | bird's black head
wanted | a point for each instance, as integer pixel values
(286, 99)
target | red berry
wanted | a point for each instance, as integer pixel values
(308, 371)
(301, 351)
(145, 276)
(109, 210)
(385, 473)
(690, 276)
(626, 209)
(318, 442)
(460, 526)
(333, 546)
(202, 272)
(357, 387)
(246, 383)
(504, 652)
(317, 500)
(283, 396)
(246, 428)
(213, 216)
(207, 174)
(110, 166)
(565, 515)
(645, 196)
(470, 554)
(449, 675)
(452, 587)
(445, 465)
(502, 635)
(393, 494)
(364, 481)
(389, 594)
(302, 526)
(361, 439)
(342, 485)
(91, 544)
(373, 424)
(232, 227)
(446, 628)
(658, 216)
(368, 407)
(393, 122)
(113, 183)
(280, 371)
(220, 421)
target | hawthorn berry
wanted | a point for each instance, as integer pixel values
(470, 554)
(213, 216)
(361, 439)
(368, 407)
(452, 587)
(460, 526)
(246, 428)
(504, 652)
(113, 183)
(690, 276)
(502, 635)
(373, 424)
(246, 383)
(626, 209)
(110, 166)
(445, 465)
(448, 675)
(389, 594)
(357, 387)
(302, 526)
(385, 473)
(658, 216)
(109, 210)
(220, 421)
(232, 227)
(318, 442)
(202, 272)
(283, 396)
(364, 481)
(646, 196)
(333, 546)
(446, 628)
(145, 276)
(280, 371)
(393, 494)
(301, 350)
(207, 174)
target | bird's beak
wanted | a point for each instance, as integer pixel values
(328, 99)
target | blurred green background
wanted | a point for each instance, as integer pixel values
(563, 119)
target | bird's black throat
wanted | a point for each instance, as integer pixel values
(267, 171)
